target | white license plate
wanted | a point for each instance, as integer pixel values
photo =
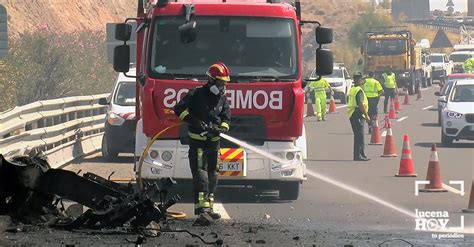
(230, 167)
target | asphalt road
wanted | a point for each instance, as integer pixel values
(327, 214)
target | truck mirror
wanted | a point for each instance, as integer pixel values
(187, 32)
(123, 31)
(122, 58)
(103, 101)
(324, 35)
(324, 62)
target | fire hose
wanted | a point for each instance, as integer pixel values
(179, 215)
(172, 214)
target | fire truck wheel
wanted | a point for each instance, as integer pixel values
(107, 154)
(289, 190)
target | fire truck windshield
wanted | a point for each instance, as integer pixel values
(387, 47)
(252, 48)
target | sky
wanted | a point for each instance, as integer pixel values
(459, 5)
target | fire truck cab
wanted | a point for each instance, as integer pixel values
(260, 43)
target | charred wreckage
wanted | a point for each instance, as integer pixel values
(32, 193)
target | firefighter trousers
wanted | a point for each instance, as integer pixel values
(203, 157)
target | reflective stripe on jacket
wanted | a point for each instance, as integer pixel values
(319, 85)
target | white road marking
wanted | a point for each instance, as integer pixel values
(426, 108)
(401, 119)
(219, 208)
(384, 133)
(424, 89)
(341, 106)
(451, 189)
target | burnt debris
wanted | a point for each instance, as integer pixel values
(32, 193)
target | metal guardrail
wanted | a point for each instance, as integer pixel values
(451, 26)
(63, 129)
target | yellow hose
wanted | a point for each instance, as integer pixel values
(173, 214)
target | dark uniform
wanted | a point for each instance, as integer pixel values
(202, 109)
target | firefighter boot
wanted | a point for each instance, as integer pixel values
(202, 205)
(211, 213)
(203, 219)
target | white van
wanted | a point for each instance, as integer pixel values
(119, 135)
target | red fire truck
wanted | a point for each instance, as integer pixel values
(260, 43)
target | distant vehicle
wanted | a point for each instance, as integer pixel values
(441, 66)
(340, 81)
(119, 135)
(458, 113)
(458, 58)
(393, 48)
(446, 89)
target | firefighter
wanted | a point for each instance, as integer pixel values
(320, 87)
(207, 113)
(372, 89)
(468, 65)
(357, 111)
(390, 87)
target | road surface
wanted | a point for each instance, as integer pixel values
(326, 214)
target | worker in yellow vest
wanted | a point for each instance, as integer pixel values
(357, 111)
(468, 65)
(372, 89)
(320, 87)
(390, 87)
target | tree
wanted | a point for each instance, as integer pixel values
(45, 64)
(367, 22)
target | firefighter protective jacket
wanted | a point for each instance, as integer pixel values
(200, 105)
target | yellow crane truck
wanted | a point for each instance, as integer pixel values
(391, 49)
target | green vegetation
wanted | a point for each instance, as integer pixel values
(347, 50)
(45, 65)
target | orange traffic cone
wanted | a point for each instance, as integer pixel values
(376, 138)
(406, 101)
(406, 162)
(391, 113)
(470, 207)
(332, 105)
(397, 104)
(309, 109)
(418, 95)
(389, 150)
(434, 173)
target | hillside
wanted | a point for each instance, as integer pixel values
(67, 15)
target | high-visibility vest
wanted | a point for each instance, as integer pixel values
(352, 104)
(319, 85)
(468, 65)
(390, 81)
(371, 87)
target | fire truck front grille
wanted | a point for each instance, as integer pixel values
(250, 129)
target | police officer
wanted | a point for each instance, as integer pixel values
(372, 89)
(320, 87)
(390, 87)
(357, 111)
(207, 112)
